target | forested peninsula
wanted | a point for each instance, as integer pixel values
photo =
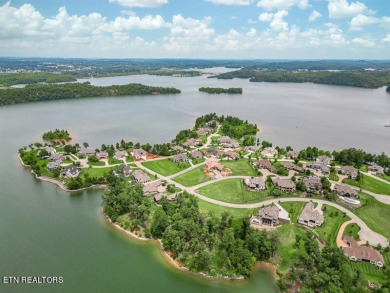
(219, 90)
(44, 92)
(364, 78)
(34, 77)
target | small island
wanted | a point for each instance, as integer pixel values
(57, 135)
(218, 90)
(44, 92)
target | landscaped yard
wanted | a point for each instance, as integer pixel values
(242, 167)
(333, 220)
(352, 230)
(205, 207)
(192, 178)
(384, 177)
(294, 209)
(333, 176)
(99, 163)
(113, 161)
(377, 216)
(370, 272)
(197, 161)
(232, 190)
(370, 184)
(96, 172)
(166, 167)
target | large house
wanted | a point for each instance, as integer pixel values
(269, 152)
(204, 131)
(350, 171)
(139, 154)
(119, 155)
(318, 166)
(227, 142)
(376, 169)
(56, 156)
(251, 148)
(54, 165)
(212, 152)
(311, 216)
(71, 172)
(271, 216)
(177, 148)
(180, 158)
(290, 166)
(292, 154)
(196, 155)
(265, 164)
(192, 142)
(213, 166)
(355, 252)
(153, 187)
(312, 183)
(140, 177)
(102, 155)
(232, 155)
(255, 183)
(286, 185)
(345, 190)
(323, 160)
(85, 151)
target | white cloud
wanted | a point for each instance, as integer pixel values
(140, 3)
(231, 2)
(278, 23)
(314, 15)
(282, 4)
(362, 20)
(266, 16)
(364, 42)
(386, 39)
(342, 9)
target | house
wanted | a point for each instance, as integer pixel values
(345, 190)
(350, 171)
(153, 187)
(227, 142)
(290, 166)
(177, 149)
(213, 166)
(323, 160)
(312, 183)
(271, 216)
(376, 168)
(232, 155)
(139, 154)
(196, 155)
(311, 216)
(269, 152)
(292, 154)
(212, 152)
(180, 158)
(265, 164)
(54, 165)
(255, 183)
(120, 155)
(355, 252)
(85, 151)
(123, 169)
(251, 148)
(204, 131)
(317, 166)
(102, 155)
(192, 142)
(50, 150)
(71, 172)
(56, 157)
(284, 184)
(140, 177)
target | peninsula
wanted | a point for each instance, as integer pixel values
(218, 90)
(219, 201)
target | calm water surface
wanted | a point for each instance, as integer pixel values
(47, 232)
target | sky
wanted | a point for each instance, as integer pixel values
(196, 29)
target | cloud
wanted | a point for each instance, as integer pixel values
(140, 3)
(314, 15)
(278, 23)
(342, 9)
(231, 2)
(364, 42)
(266, 16)
(282, 4)
(386, 39)
(358, 22)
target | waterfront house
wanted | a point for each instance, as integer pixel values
(251, 148)
(311, 216)
(139, 154)
(180, 158)
(265, 164)
(269, 152)
(290, 166)
(192, 142)
(255, 183)
(56, 157)
(54, 165)
(323, 160)
(227, 142)
(140, 177)
(177, 149)
(350, 171)
(204, 131)
(374, 168)
(120, 155)
(71, 172)
(102, 155)
(292, 154)
(85, 151)
(345, 191)
(286, 185)
(355, 252)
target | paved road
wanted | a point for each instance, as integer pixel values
(377, 178)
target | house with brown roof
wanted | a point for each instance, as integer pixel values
(180, 158)
(56, 156)
(271, 216)
(310, 216)
(228, 142)
(119, 155)
(286, 185)
(196, 155)
(292, 154)
(177, 148)
(374, 168)
(312, 183)
(324, 160)
(192, 142)
(85, 151)
(140, 177)
(212, 152)
(232, 155)
(290, 166)
(350, 171)
(255, 183)
(265, 164)
(102, 155)
(269, 152)
(153, 187)
(139, 154)
(345, 191)
(355, 252)
(251, 148)
(204, 131)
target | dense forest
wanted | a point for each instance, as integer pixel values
(57, 134)
(365, 79)
(36, 77)
(43, 92)
(388, 89)
(218, 90)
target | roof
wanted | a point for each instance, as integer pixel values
(349, 169)
(152, 187)
(73, 170)
(120, 154)
(139, 152)
(361, 252)
(270, 212)
(56, 156)
(345, 189)
(311, 181)
(232, 155)
(310, 214)
(140, 177)
(324, 159)
(177, 148)
(293, 154)
(270, 151)
(86, 151)
(251, 148)
(53, 165)
(180, 158)
(192, 142)
(214, 165)
(204, 130)
(196, 155)
(263, 163)
(283, 183)
(291, 166)
(254, 182)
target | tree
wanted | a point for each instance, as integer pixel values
(85, 144)
(159, 223)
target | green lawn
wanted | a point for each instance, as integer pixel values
(242, 167)
(205, 207)
(294, 209)
(333, 176)
(129, 159)
(96, 163)
(198, 161)
(352, 230)
(370, 272)
(113, 161)
(377, 216)
(232, 190)
(384, 177)
(193, 177)
(166, 167)
(333, 220)
(370, 184)
(97, 172)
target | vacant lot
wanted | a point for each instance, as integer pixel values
(192, 178)
(166, 167)
(333, 220)
(241, 167)
(377, 216)
(370, 184)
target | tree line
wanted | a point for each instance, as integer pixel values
(57, 134)
(34, 77)
(219, 90)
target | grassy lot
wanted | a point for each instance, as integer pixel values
(333, 176)
(96, 172)
(193, 177)
(370, 184)
(241, 167)
(113, 161)
(352, 230)
(129, 159)
(166, 167)
(96, 163)
(377, 216)
(329, 229)
(294, 209)
(384, 177)
(198, 161)
(232, 190)
(205, 207)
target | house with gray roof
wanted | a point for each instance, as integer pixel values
(269, 152)
(50, 150)
(324, 160)
(192, 142)
(345, 191)
(292, 154)
(123, 169)
(140, 177)
(212, 152)
(317, 166)
(227, 142)
(204, 131)
(271, 216)
(102, 155)
(232, 156)
(196, 155)
(350, 171)
(177, 148)
(374, 168)
(310, 216)
(312, 183)
(251, 148)
(139, 154)
(56, 157)
(265, 164)
(355, 252)
(54, 165)
(119, 155)
(153, 188)
(291, 166)
(255, 183)
(286, 185)
(71, 172)
(180, 158)
(85, 151)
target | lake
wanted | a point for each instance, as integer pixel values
(48, 232)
